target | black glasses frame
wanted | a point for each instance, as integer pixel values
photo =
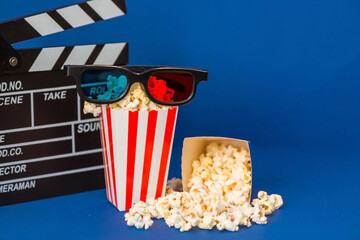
(135, 74)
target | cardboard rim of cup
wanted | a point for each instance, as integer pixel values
(137, 148)
(193, 147)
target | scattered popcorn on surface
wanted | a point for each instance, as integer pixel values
(219, 189)
(139, 216)
(135, 100)
(268, 203)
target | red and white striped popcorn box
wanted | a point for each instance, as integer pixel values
(136, 151)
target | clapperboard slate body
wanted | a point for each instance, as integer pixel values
(48, 147)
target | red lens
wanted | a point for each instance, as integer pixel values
(171, 86)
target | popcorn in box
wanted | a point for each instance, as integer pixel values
(193, 147)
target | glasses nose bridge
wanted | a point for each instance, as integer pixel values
(135, 77)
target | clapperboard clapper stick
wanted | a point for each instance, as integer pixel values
(48, 147)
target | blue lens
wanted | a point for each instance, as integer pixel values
(103, 84)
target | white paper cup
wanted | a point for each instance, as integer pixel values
(136, 151)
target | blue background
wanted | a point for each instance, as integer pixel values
(282, 74)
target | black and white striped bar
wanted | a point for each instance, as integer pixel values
(60, 19)
(54, 58)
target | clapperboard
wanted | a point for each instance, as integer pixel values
(48, 147)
